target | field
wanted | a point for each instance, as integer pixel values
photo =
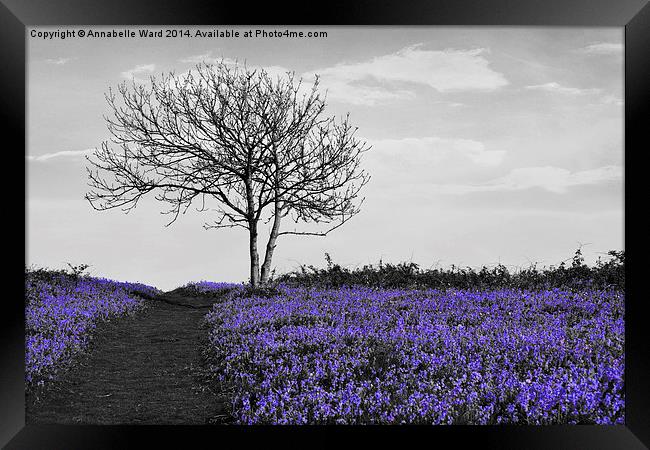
(363, 355)
(376, 345)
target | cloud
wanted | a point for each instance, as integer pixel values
(273, 71)
(382, 79)
(612, 100)
(435, 150)
(603, 48)
(557, 88)
(132, 74)
(450, 104)
(386, 78)
(206, 58)
(57, 61)
(61, 154)
(403, 163)
(552, 179)
(197, 59)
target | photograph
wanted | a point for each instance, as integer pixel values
(325, 225)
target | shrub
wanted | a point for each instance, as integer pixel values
(207, 289)
(609, 274)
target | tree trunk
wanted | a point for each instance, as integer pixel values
(255, 258)
(270, 247)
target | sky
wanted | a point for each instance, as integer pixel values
(489, 145)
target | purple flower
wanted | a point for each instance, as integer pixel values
(362, 355)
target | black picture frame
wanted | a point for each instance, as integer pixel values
(634, 15)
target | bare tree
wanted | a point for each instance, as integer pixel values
(260, 148)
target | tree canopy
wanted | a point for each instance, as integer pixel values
(235, 141)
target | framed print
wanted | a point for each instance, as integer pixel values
(382, 221)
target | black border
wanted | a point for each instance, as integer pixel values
(634, 15)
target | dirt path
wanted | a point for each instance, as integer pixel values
(145, 369)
